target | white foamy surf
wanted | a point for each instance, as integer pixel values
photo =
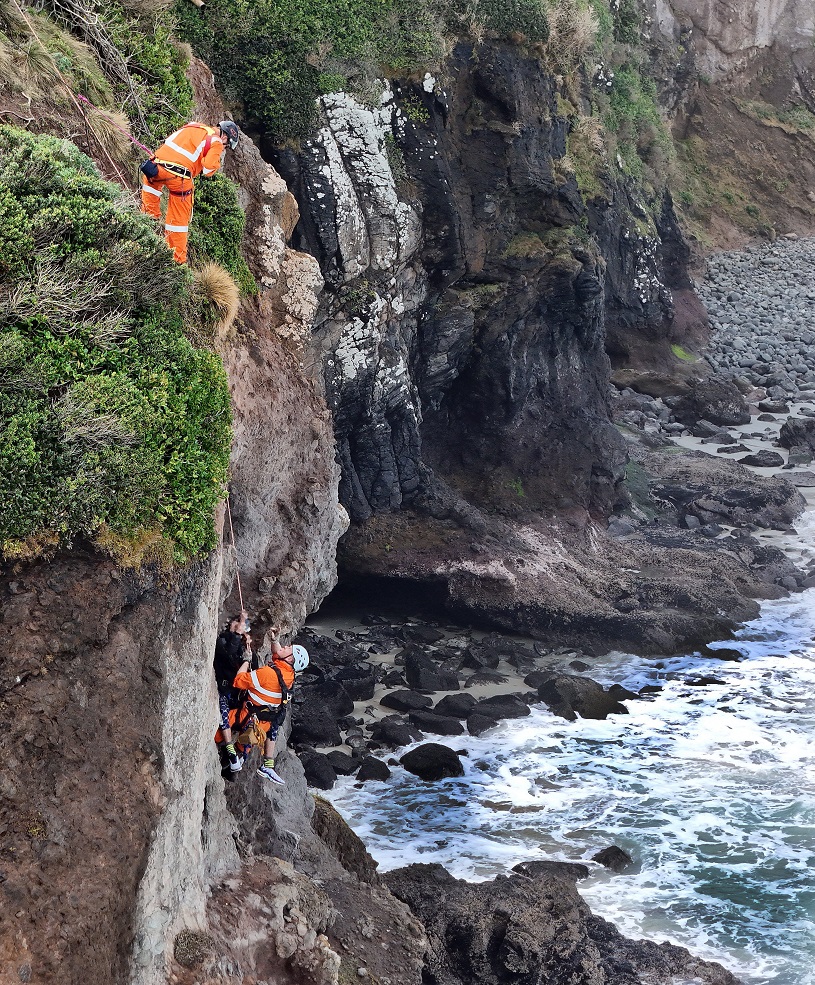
(710, 788)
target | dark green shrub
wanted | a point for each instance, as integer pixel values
(218, 229)
(109, 418)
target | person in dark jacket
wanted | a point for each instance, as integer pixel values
(232, 649)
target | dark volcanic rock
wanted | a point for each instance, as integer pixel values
(430, 721)
(319, 771)
(421, 634)
(715, 400)
(502, 706)
(455, 705)
(314, 724)
(432, 761)
(359, 682)
(333, 696)
(532, 930)
(423, 674)
(406, 700)
(478, 724)
(615, 858)
(798, 432)
(545, 869)
(373, 769)
(568, 696)
(764, 459)
(478, 655)
(393, 733)
(342, 763)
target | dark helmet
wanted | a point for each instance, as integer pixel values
(230, 130)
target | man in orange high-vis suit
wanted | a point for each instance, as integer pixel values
(266, 693)
(194, 149)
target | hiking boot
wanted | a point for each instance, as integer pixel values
(270, 774)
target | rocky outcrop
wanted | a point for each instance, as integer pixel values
(531, 927)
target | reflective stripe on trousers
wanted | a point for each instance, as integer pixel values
(179, 211)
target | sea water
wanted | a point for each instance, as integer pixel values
(711, 790)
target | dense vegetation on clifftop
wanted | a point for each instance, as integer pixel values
(113, 426)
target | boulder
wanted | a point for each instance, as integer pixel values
(478, 656)
(432, 761)
(722, 653)
(797, 432)
(318, 770)
(373, 769)
(764, 459)
(455, 705)
(478, 724)
(568, 695)
(394, 678)
(544, 869)
(716, 400)
(405, 700)
(359, 682)
(615, 858)
(417, 633)
(342, 763)
(394, 733)
(421, 673)
(485, 677)
(429, 721)
(774, 406)
(314, 724)
(537, 677)
(502, 706)
(333, 696)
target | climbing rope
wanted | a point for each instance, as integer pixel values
(74, 99)
(235, 551)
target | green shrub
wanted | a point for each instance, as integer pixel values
(278, 56)
(633, 116)
(109, 418)
(218, 229)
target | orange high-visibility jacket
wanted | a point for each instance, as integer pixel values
(262, 685)
(196, 147)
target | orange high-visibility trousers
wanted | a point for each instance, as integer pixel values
(179, 208)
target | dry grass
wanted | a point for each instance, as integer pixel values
(42, 544)
(108, 128)
(572, 34)
(143, 546)
(147, 8)
(221, 299)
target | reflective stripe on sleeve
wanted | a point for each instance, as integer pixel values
(150, 191)
(207, 171)
(177, 229)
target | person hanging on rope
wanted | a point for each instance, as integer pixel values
(233, 648)
(194, 149)
(265, 699)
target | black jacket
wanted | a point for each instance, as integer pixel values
(230, 652)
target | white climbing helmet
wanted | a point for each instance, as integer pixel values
(300, 654)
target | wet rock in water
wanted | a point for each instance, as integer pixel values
(421, 634)
(358, 744)
(479, 656)
(543, 869)
(359, 682)
(615, 858)
(406, 700)
(796, 432)
(524, 929)
(537, 677)
(764, 459)
(373, 769)
(432, 761)
(421, 673)
(455, 705)
(429, 721)
(704, 681)
(568, 696)
(578, 665)
(318, 770)
(342, 763)
(501, 706)
(314, 724)
(651, 689)
(394, 733)
(478, 724)
(716, 400)
(620, 693)
(722, 653)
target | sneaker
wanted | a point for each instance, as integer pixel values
(234, 763)
(269, 774)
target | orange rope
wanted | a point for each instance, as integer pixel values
(73, 97)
